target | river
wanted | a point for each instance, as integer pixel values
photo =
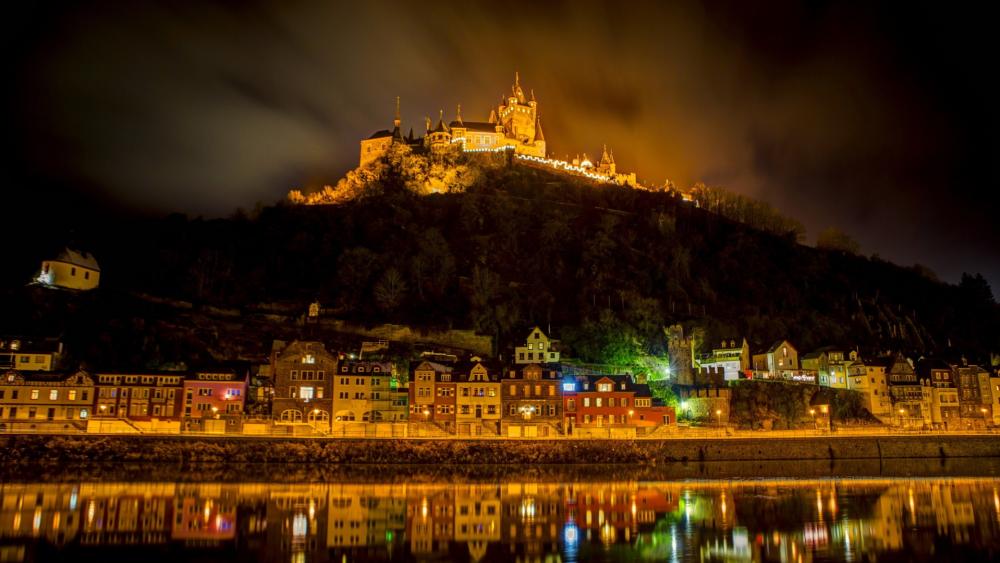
(690, 512)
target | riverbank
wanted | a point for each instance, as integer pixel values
(21, 449)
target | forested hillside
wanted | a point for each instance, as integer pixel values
(606, 267)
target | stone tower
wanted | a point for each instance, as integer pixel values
(680, 352)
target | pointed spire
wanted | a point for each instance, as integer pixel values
(458, 114)
(410, 136)
(516, 88)
(396, 134)
(532, 94)
(539, 136)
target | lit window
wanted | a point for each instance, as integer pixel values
(308, 359)
(53, 394)
(34, 393)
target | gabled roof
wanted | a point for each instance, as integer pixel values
(777, 344)
(438, 368)
(78, 258)
(381, 134)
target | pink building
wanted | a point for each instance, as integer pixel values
(215, 395)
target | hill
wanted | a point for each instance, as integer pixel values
(606, 266)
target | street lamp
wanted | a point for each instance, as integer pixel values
(718, 413)
(215, 412)
(902, 413)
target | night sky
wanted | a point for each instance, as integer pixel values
(876, 119)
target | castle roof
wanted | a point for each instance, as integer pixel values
(475, 126)
(381, 134)
(539, 136)
(441, 127)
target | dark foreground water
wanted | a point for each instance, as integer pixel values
(584, 513)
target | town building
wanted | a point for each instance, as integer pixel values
(869, 379)
(532, 402)
(829, 366)
(432, 394)
(364, 392)
(54, 401)
(477, 397)
(30, 354)
(303, 374)
(975, 397)
(603, 401)
(72, 269)
(215, 399)
(780, 361)
(995, 395)
(911, 403)
(152, 398)
(945, 408)
(538, 349)
(731, 359)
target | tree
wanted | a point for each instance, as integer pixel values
(835, 239)
(389, 290)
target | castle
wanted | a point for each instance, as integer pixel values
(513, 124)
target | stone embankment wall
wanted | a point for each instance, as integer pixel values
(33, 448)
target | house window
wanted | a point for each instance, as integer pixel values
(34, 393)
(53, 394)
(597, 402)
(586, 401)
(513, 390)
(308, 359)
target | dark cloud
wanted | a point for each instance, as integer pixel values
(874, 119)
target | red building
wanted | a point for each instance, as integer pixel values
(600, 401)
(218, 394)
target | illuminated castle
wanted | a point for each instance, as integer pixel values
(513, 125)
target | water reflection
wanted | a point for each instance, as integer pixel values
(789, 521)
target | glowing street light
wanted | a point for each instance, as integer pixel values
(718, 413)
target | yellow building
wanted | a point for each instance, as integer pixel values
(869, 379)
(537, 349)
(478, 402)
(26, 354)
(54, 401)
(70, 270)
(362, 392)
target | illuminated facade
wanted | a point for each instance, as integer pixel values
(303, 388)
(31, 401)
(70, 270)
(538, 349)
(532, 402)
(28, 354)
(513, 125)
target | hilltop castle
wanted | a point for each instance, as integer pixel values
(513, 124)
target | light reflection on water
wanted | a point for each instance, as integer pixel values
(505, 520)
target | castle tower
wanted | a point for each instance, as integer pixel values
(518, 115)
(680, 353)
(607, 164)
(397, 135)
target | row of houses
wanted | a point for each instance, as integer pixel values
(205, 400)
(307, 389)
(928, 393)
